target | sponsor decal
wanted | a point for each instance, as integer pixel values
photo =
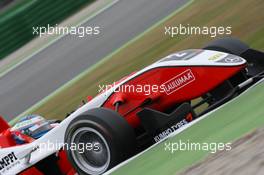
(216, 56)
(231, 59)
(8, 161)
(178, 82)
(170, 130)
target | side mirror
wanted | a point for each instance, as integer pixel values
(89, 98)
(119, 98)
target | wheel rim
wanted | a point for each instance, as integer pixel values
(92, 161)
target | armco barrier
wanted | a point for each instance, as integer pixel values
(16, 24)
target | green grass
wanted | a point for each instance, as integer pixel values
(234, 120)
(249, 27)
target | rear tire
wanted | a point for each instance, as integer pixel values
(112, 137)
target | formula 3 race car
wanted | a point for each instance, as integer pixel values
(134, 113)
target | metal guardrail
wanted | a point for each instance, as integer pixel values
(16, 24)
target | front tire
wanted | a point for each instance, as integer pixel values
(111, 138)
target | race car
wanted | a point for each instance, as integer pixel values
(132, 114)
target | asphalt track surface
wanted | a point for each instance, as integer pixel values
(69, 56)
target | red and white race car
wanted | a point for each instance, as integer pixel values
(132, 114)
